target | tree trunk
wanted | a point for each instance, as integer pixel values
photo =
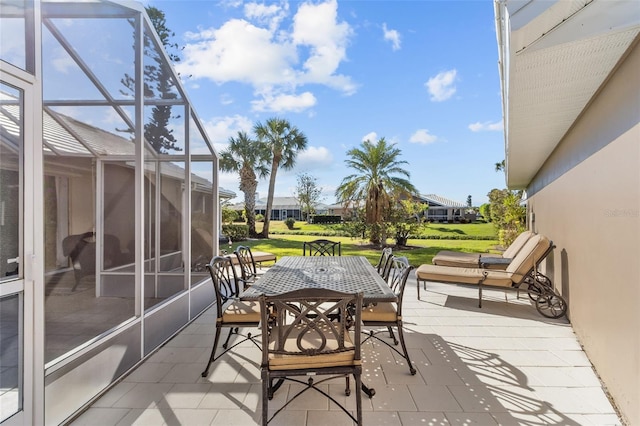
(248, 185)
(272, 187)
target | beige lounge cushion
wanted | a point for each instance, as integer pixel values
(258, 257)
(464, 260)
(448, 274)
(241, 311)
(517, 244)
(263, 256)
(385, 312)
(471, 260)
(455, 258)
(310, 340)
(531, 252)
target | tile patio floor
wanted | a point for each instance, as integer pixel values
(503, 364)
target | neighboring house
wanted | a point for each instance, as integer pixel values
(339, 209)
(442, 209)
(570, 75)
(105, 226)
(282, 208)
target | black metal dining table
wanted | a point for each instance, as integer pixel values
(349, 274)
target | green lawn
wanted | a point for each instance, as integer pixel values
(291, 245)
(472, 230)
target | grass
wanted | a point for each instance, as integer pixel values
(437, 230)
(422, 251)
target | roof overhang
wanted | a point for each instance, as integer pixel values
(553, 58)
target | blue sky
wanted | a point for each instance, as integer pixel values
(422, 74)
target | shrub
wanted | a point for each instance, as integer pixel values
(228, 215)
(236, 232)
(289, 222)
(259, 218)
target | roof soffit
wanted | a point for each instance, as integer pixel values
(553, 77)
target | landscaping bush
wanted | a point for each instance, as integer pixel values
(289, 222)
(236, 232)
(259, 218)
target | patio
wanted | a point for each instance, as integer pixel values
(502, 364)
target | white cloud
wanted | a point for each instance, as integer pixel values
(220, 129)
(371, 137)
(422, 136)
(486, 126)
(442, 86)
(392, 35)
(282, 103)
(226, 99)
(317, 26)
(221, 55)
(282, 58)
(231, 181)
(62, 62)
(314, 158)
(271, 15)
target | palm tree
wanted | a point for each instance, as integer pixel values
(284, 141)
(247, 157)
(376, 182)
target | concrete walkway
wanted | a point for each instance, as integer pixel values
(503, 364)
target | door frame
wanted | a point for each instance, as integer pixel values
(30, 285)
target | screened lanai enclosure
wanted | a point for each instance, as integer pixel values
(109, 206)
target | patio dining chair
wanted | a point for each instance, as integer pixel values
(247, 266)
(301, 337)
(389, 314)
(321, 247)
(231, 312)
(383, 263)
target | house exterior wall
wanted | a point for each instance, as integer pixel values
(586, 198)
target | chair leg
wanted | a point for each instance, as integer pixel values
(231, 331)
(347, 389)
(205, 373)
(358, 378)
(392, 336)
(265, 397)
(412, 370)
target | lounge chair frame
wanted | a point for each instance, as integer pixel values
(539, 288)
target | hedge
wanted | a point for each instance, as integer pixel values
(413, 237)
(236, 232)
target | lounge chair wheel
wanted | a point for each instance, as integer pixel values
(534, 290)
(551, 305)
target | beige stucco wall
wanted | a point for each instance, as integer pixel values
(586, 198)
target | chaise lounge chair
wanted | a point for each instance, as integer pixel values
(521, 274)
(473, 260)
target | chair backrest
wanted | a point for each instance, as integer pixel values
(225, 282)
(383, 264)
(321, 248)
(247, 264)
(398, 274)
(81, 249)
(517, 244)
(529, 257)
(307, 323)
